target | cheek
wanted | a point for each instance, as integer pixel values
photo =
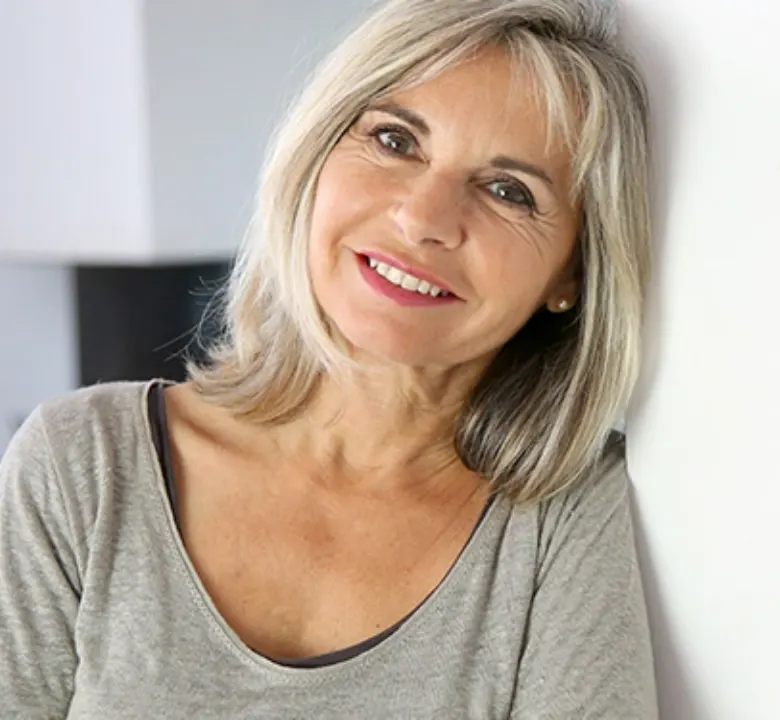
(340, 209)
(511, 272)
(346, 193)
(514, 275)
(327, 202)
(328, 222)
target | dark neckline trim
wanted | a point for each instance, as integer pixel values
(157, 420)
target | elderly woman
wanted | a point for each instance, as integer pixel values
(393, 490)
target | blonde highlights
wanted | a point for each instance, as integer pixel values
(540, 415)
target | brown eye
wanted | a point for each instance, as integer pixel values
(394, 140)
(512, 192)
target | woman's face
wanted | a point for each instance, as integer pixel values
(440, 225)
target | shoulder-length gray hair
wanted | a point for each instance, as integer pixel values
(539, 417)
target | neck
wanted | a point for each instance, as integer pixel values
(382, 426)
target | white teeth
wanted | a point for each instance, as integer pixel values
(404, 280)
(410, 283)
(395, 276)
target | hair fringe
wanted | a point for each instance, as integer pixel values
(540, 416)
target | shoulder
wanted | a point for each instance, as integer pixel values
(68, 425)
(573, 514)
(76, 445)
(98, 429)
(604, 485)
(76, 458)
(594, 508)
(588, 650)
(107, 407)
(602, 488)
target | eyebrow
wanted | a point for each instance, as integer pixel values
(501, 162)
(405, 114)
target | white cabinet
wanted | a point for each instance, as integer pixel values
(132, 131)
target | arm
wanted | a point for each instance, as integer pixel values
(587, 652)
(39, 591)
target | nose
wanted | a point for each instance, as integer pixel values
(432, 210)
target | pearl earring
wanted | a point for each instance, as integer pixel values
(563, 305)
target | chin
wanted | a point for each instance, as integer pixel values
(375, 341)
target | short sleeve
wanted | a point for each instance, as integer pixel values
(588, 652)
(39, 586)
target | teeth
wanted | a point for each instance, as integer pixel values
(410, 283)
(395, 276)
(404, 280)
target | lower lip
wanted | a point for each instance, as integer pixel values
(408, 298)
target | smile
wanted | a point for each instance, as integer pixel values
(404, 280)
(402, 287)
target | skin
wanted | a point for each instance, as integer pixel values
(361, 503)
(502, 240)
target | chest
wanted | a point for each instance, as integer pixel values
(158, 650)
(298, 576)
(150, 644)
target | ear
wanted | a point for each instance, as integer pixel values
(564, 293)
(564, 298)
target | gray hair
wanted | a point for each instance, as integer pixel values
(539, 417)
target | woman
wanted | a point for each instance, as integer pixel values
(393, 491)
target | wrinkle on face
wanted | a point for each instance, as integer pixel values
(508, 262)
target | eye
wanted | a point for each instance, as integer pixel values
(512, 192)
(394, 140)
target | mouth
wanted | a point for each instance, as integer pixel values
(406, 278)
(400, 286)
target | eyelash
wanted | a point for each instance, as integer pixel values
(529, 202)
(398, 131)
(528, 199)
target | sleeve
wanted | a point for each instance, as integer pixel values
(39, 592)
(588, 652)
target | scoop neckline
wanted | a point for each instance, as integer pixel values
(231, 639)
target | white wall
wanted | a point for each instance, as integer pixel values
(37, 340)
(93, 73)
(703, 437)
(73, 176)
(132, 130)
(219, 75)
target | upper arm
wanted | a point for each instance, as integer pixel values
(39, 585)
(587, 652)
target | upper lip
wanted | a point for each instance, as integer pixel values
(409, 269)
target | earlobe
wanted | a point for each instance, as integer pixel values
(560, 305)
(564, 298)
(565, 291)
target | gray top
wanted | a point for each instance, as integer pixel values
(102, 615)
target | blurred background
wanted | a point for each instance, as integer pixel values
(131, 137)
